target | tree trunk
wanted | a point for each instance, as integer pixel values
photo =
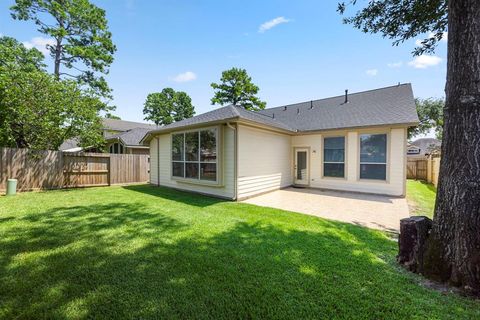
(58, 55)
(453, 253)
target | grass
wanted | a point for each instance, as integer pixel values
(147, 252)
(421, 198)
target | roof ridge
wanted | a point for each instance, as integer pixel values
(339, 96)
(234, 108)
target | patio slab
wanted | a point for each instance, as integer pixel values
(372, 211)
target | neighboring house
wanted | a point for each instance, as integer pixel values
(355, 142)
(128, 141)
(423, 147)
(121, 136)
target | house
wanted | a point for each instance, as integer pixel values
(121, 137)
(353, 142)
(422, 148)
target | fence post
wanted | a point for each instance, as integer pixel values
(109, 169)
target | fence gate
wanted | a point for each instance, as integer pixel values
(86, 169)
(417, 169)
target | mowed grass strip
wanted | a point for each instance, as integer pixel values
(421, 198)
(149, 252)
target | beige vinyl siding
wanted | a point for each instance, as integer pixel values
(226, 165)
(396, 162)
(153, 161)
(264, 161)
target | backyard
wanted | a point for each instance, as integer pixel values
(148, 252)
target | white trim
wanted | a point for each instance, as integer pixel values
(214, 183)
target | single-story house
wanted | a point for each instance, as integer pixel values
(422, 148)
(121, 137)
(353, 142)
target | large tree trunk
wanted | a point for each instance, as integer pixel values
(453, 253)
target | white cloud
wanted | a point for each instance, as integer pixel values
(418, 42)
(40, 43)
(424, 61)
(371, 72)
(185, 77)
(272, 23)
(395, 64)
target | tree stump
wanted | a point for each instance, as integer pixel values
(414, 232)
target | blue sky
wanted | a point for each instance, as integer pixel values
(294, 50)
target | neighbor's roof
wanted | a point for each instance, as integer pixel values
(130, 137)
(69, 144)
(122, 125)
(384, 106)
(426, 142)
(426, 145)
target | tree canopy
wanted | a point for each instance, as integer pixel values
(38, 111)
(237, 88)
(401, 20)
(82, 42)
(430, 113)
(168, 106)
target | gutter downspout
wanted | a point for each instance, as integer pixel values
(235, 161)
(158, 161)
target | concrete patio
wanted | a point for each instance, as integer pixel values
(372, 211)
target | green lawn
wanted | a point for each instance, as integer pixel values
(421, 198)
(146, 252)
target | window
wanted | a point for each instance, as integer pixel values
(334, 157)
(194, 155)
(373, 156)
(413, 150)
(116, 148)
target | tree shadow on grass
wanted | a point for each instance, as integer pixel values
(121, 261)
(185, 197)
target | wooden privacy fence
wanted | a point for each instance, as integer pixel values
(424, 169)
(417, 169)
(36, 170)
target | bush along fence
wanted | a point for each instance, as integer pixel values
(424, 169)
(37, 170)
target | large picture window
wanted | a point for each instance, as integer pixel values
(373, 156)
(194, 155)
(334, 157)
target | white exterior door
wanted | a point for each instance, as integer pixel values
(301, 166)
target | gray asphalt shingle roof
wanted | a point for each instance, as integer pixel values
(122, 125)
(131, 137)
(391, 105)
(384, 106)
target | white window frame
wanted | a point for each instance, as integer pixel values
(372, 163)
(344, 157)
(199, 162)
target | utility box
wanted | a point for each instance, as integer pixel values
(11, 187)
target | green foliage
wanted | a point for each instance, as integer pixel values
(109, 115)
(168, 106)
(38, 111)
(430, 113)
(143, 252)
(401, 20)
(14, 56)
(83, 42)
(236, 88)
